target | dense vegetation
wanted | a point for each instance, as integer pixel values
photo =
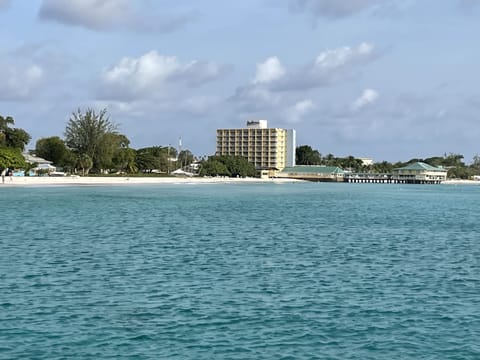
(12, 143)
(234, 166)
(91, 144)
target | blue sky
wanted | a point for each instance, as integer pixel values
(386, 79)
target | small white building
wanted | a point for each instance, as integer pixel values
(42, 164)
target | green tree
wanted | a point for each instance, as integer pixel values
(350, 163)
(11, 158)
(305, 155)
(212, 167)
(157, 158)
(17, 138)
(151, 158)
(227, 165)
(146, 161)
(12, 137)
(5, 122)
(107, 150)
(185, 157)
(53, 149)
(86, 132)
(124, 160)
(453, 160)
(85, 163)
(329, 160)
(456, 167)
(476, 161)
(383, 167)
(435, 161)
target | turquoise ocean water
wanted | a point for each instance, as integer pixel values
(246, 271)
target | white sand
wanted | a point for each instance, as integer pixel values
(79, 180)
(461, 182)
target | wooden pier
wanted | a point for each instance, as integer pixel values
(369, 178)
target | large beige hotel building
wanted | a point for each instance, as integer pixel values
(266, 148)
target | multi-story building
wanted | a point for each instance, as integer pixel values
(266, 148)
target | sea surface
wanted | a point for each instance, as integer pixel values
(240, 271)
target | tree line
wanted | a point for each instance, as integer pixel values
(91, 144)
(453, 163)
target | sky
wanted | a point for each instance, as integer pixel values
(384, 79)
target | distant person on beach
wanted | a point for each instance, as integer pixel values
(10, 173)
(4, 172)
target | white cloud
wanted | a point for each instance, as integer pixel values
(331, 59)
(297, 111)
(369, 96)
(104, 15)
(328, 67)
(19, 82)
(274, 85)
(272, 80)
(268, 71)
(153, 74)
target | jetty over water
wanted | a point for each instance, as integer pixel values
(416, 173)
(385, 179)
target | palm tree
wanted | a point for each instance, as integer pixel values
(85, 163)
(4, 123)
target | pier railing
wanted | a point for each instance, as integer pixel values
(374, 178)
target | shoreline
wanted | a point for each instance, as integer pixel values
(460, 182)
(20, 181)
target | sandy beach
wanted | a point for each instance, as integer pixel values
(80, 180)
(461, 182)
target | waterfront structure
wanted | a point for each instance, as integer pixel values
(268, 149)
(378, 178)
(420, 173)
(417, 173)
(313, 173)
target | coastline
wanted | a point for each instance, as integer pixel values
(19, 181)
(461, 182)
